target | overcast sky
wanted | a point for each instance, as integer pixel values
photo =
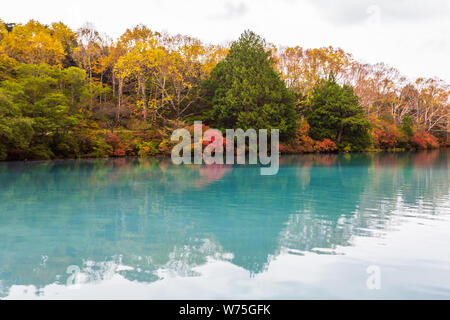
(411, 35)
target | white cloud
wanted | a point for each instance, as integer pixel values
(355, 11)
(233, 10)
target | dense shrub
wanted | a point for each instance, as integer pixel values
(119, 147)
(146, 149)
(385, 139)
(303, 143)
(165, 147)
(325, 146)
(424, 140)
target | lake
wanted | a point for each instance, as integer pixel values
(352, 226)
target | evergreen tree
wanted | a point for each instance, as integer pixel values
(407, 126)
(334, 113)
(244, 90)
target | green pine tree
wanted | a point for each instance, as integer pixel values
(333, 112)
(244, 90)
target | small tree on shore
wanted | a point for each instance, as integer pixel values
(333, 112)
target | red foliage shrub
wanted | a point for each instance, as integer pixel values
(305, 144)
(209, 139)
(119, 147)
(165, 147)
(302, 142)
(384, 138)
(424, 140)
(325, 146)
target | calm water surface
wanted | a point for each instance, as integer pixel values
(132, 228)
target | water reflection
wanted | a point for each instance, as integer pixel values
(140, 222)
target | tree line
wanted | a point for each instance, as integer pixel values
(66, 93)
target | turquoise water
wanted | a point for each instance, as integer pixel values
(327, 226)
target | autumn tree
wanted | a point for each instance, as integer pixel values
(32, 43)
(432, 105)
(68, 40)
(185, 64)
(139, 65)
(133, 59)
(88, 49)
(302, 68)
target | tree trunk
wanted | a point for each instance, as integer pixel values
(119, 105)
(114, 84)
(341, 130)
(144, 100)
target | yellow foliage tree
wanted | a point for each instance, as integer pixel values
(32, 43)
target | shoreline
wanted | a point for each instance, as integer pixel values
(162, 157)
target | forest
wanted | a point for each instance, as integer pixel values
(78, 93)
